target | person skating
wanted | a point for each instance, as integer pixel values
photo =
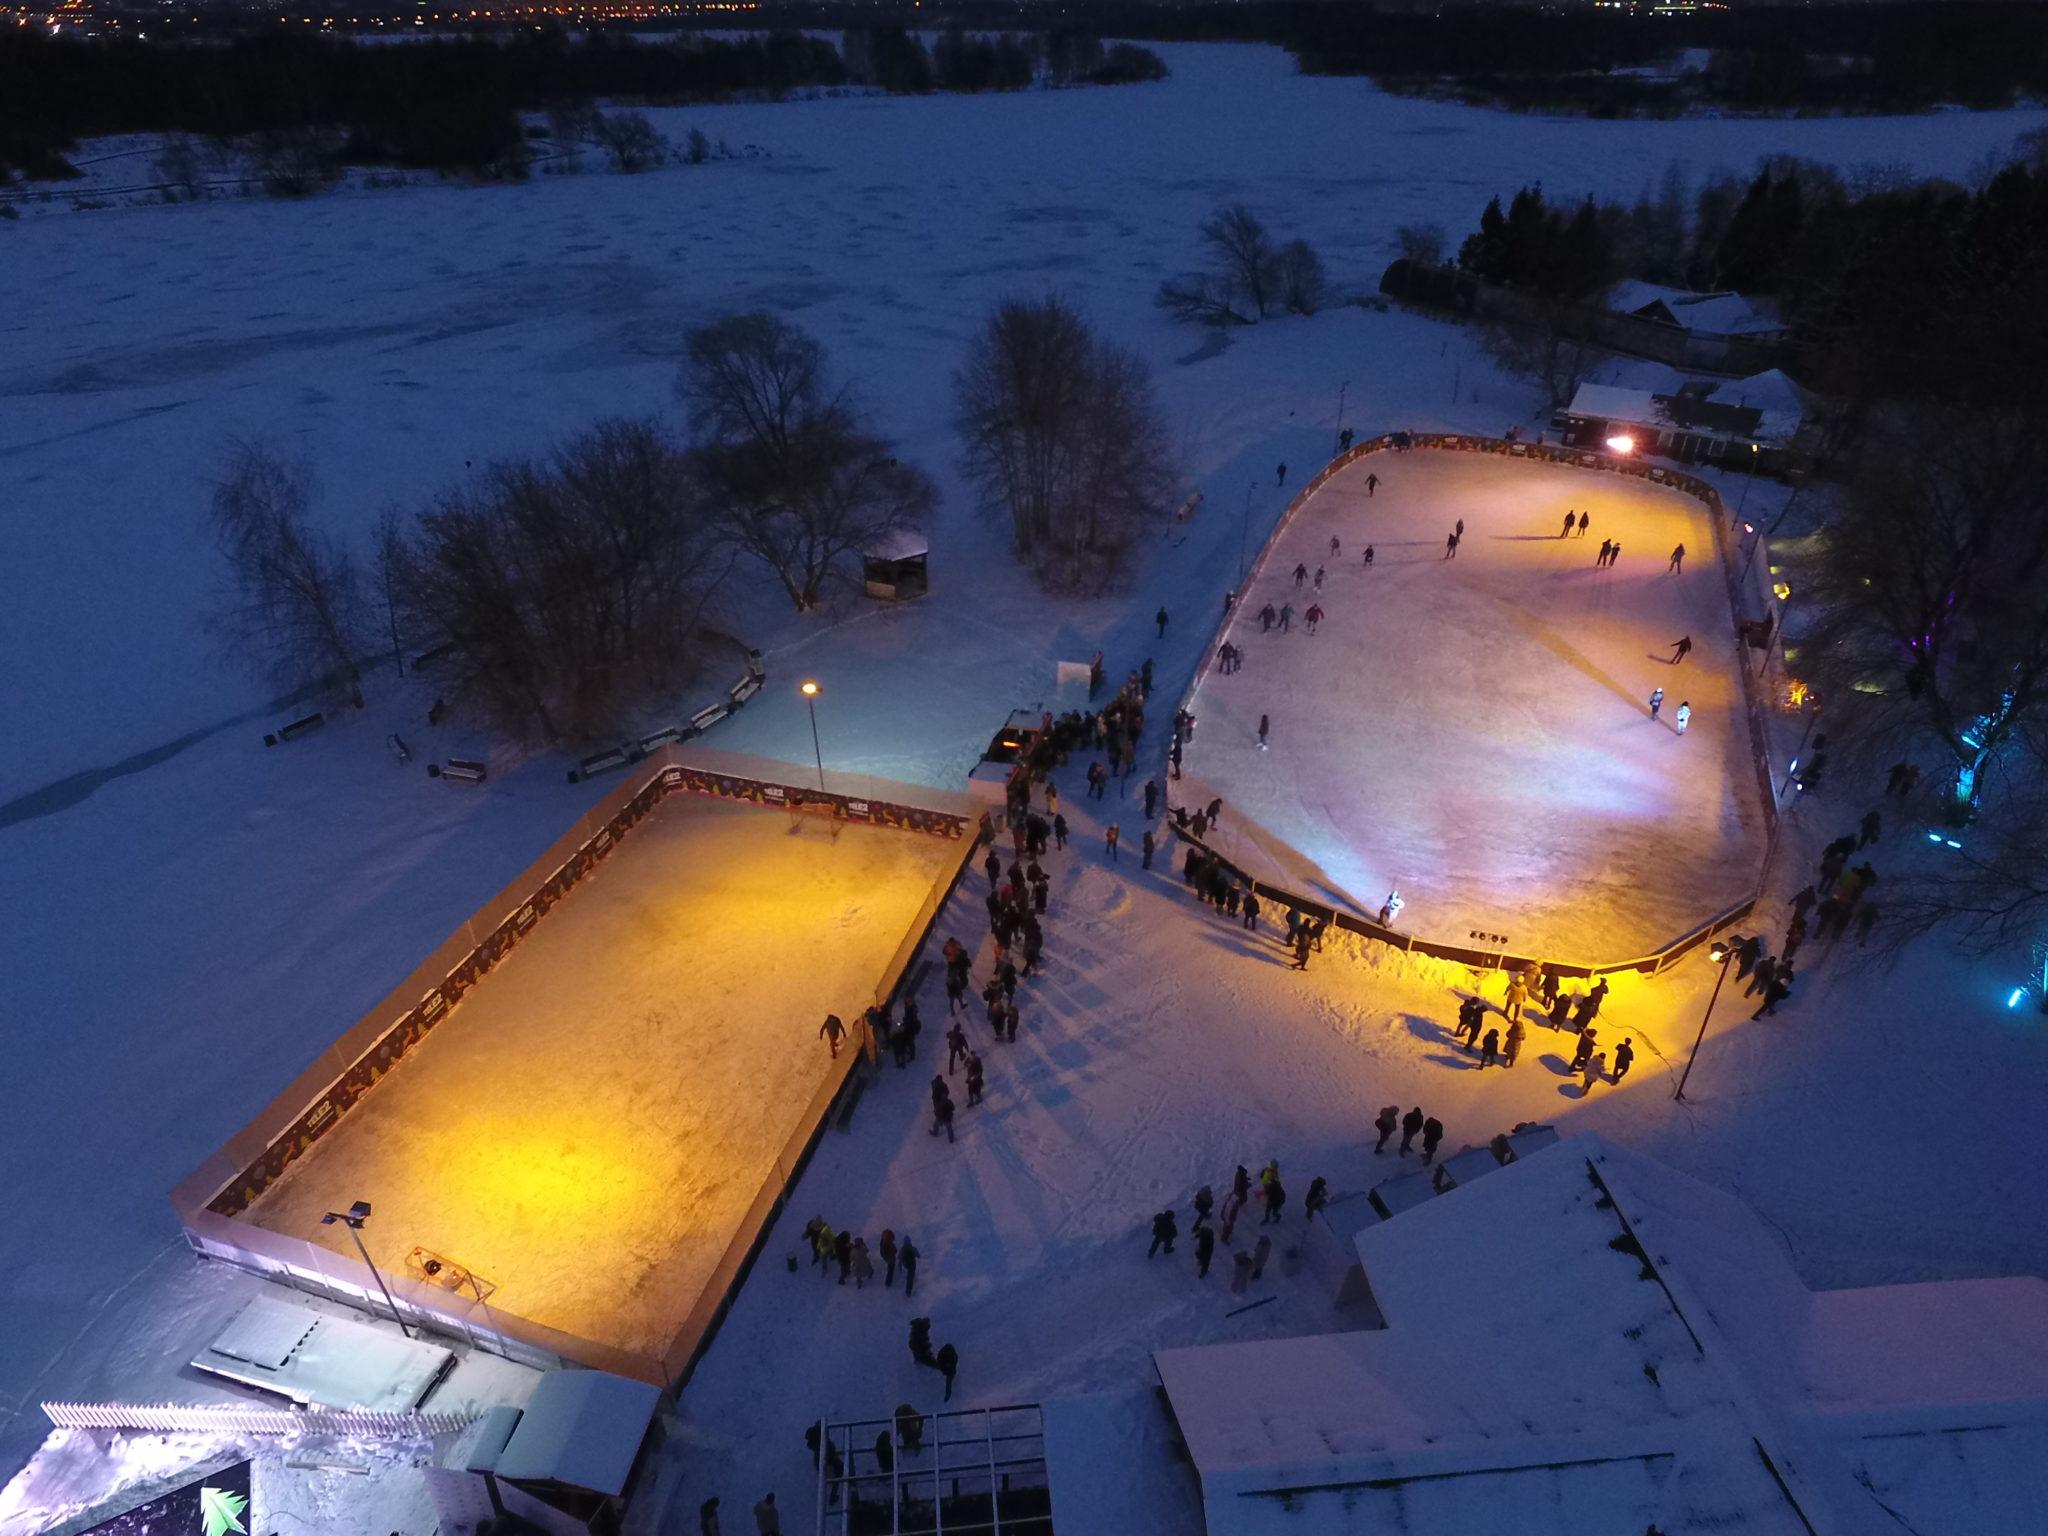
(1041, 892)
(1489, 1049)
(1680, 649)
(1317, 1197)
(1795, 935)
(909, 1261)
(1010, 1020)
(1368, 557)
(1314, 616)
(1251, 911)
(1560, 1010)
(1148, 844)
(1760, 980)
(1589, 1008)
(887, 1249)
(1588, 1038)
(1372, 484)
(1451, 547)
(1868, 831)
(1300, 575)
(1110, 836)
(956, 992)
(1201, 824)
(1205, 1202)
(1677, 560)
(1318, 582)
(1432, 1136)
(863, 1266)
(1159, 618)
(1569, 519)
(823, 1243)
(1280, 474)
(1388, 1122)
(1656, 702)
(1151, 798)
(1164, 1230)
(975, 1079)
(921, 1341)
(1205, 1250)
(1261, 1251)
(1336, 546)
(1683, 717)
(942, 1115)
(1230, 899)
(1596, 1068)
(1601, 558)
(948, 1362)
(1585, 518)
(1511, 1048)
(1268, 616)
(1276, 1201)
(1052, 798)
(1614, 555)
(905, 1039)
(1460, 530)
(1624, 1058)
(842, 1254)
(1301, 942)
(1286, 617)
(1411, 1123)
(833, 1030)
(1518, 994)
(994, 866)
(1059, 831)
(767, 1518)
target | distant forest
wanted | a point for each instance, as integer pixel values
(452, 103)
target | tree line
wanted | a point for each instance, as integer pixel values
(563, 592)
(452, 104)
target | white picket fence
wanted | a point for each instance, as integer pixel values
(240, 1419)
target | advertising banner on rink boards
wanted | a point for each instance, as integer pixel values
(214, 1505)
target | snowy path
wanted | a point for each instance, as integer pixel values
(1476, 730)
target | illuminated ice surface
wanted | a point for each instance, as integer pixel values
(588, 1127)
(1476, 731)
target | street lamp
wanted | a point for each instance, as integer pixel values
(353, 1218)
(810, 690)
(1341, 388)
(1622, 444)
(1723, 950)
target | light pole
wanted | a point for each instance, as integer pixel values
(1341, 388)
(809, 690)
(353, 1218)
(1723, 950)
(1753, 451)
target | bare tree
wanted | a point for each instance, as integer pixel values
(780, 453)
(1932, 592)
(629, 140)
(1061, 436)
(294, 604)
(296, 161)
(180, 166)
(1238, 240)
(1202, 297)
(1546, 344)
(1422, 244)
(570, 590)
(1298, 274)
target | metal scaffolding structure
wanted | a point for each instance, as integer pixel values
(964, 1472)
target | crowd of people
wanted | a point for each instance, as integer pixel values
(1213, 1224)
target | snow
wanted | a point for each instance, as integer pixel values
(189, 915)
(582, 1429)
(590, 1125)
(1544, 805)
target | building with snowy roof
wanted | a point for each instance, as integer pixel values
(1754, 423)
(1588, 1343)
(1720, 332)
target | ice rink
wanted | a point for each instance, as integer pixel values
(1476, 731)
(587, 1129)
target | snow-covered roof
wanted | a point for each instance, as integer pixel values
(897, 544)
(1708, 314)
(1588, 1340)
(582, 1429)
(1766, 407)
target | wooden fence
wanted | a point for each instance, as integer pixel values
(243, 1419)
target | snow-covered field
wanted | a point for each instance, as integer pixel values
(188, 916)
(1476, 730)
(592, 1122)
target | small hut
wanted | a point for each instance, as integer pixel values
(894, 566)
